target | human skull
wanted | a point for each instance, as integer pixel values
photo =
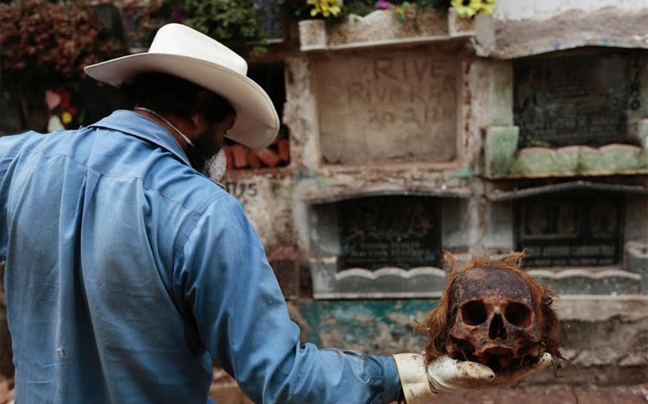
(494, 319)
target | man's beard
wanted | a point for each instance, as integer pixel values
(196, 159)
(207, 146)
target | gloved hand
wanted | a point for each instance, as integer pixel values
(446, 375)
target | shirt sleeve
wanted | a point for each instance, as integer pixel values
(243, 321)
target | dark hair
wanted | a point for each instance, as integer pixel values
(164, 93)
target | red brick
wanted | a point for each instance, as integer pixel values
(253, 160)
(230, 157)
(269, 158)
(284, 150)
(240, 156)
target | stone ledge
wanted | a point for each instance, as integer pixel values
(505, 160)
(385, 283)
(510, 39)
(586, 282)
(381, 28)
(602, 308)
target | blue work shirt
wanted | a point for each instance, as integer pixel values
(127, 271)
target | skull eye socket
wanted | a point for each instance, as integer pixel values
(518, 314)
(474, 313)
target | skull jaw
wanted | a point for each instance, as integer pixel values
(495, 355)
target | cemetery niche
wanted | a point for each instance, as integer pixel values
(579, 237)
(574, 231)
(579, 112)
(577, 100)
(392, 231)
(376, 246)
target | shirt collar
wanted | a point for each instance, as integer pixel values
(137, 125)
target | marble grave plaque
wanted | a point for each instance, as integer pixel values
(571, 231)
(389, 231)
(576, 100)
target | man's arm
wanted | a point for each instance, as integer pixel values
(243, 320)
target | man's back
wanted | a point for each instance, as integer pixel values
(93, 219)
(124, 267)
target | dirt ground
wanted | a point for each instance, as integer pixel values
(554, 395)
(229, 394)
(225, 391)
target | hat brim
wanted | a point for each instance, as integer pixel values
(257, 123)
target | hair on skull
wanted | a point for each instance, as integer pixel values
(494, 313)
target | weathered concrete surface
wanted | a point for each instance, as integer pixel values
(388, 106)
(635, 394)
(509, 39)
(379, 327)
(606, 338)
(543, 10)
(265, 196)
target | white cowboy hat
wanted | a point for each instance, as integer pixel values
(186, 53)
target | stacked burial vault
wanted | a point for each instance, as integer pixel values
(478, 137)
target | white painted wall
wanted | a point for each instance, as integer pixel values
(545, 9)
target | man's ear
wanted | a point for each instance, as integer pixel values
(198, 121)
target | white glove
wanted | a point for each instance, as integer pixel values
(447, 375)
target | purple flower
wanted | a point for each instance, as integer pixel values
(383, 4)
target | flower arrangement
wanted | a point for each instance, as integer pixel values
(61, 110)
(463, 8)
(334, 10)
(324, 7)
(470, 8)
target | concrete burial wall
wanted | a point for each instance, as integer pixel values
(383, 114)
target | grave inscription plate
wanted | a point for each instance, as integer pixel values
(576, 100)
(397, 106)
(568, 232)
(389, 231)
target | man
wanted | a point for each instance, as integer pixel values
(128, 271)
